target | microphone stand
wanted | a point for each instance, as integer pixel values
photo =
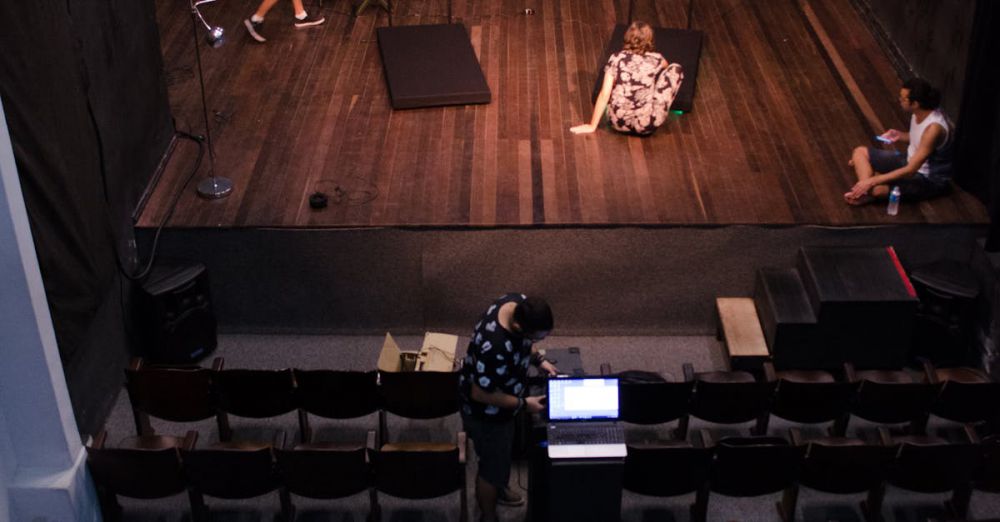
(215, 187)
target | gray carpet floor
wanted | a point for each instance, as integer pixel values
(665, 354)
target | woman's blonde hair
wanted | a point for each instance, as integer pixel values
(639, 38)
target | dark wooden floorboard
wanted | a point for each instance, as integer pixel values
(767, 140)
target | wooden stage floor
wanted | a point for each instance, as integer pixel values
(767, 142)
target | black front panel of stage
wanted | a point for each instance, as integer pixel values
(681, 46)
(430, 66)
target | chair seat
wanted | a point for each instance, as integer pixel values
(152, 442)
(338, 446)
(240, 445)
(806, 376)
(737, 376)
(920, 440)
(962, 375)
(418, 446)
(885, 376)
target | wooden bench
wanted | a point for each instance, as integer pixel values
(739, 329)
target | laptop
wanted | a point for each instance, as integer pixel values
(583, 418)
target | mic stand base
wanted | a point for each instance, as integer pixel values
(215, 187)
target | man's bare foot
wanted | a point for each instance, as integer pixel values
(859, 201)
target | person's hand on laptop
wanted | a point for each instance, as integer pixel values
(548, 368)
(534, 404)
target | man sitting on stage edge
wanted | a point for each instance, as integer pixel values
(925, 170)
(255, 24)
(492, 389)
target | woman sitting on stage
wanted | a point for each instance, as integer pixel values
(639, 86)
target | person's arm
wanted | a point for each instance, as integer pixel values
(599, 106)
(505, 400)
(928, 141)
(895, 135)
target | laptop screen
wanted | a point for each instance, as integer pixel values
(587, 398)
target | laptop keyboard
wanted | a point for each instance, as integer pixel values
(586, 434)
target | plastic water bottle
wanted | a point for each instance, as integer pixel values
(893, 207)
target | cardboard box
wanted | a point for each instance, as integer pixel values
(436, 355)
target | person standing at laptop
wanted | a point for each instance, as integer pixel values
(493, 386)
(255, 24)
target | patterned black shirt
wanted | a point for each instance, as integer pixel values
(496, 360)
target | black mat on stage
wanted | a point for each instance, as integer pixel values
(682, 46)
(431, 65)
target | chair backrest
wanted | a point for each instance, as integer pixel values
(418, 474)
(893, 403)
(731, 402)
(337, 394)
(324, 473)
(176, 394)
(137, 473)
(967, 401)
(843, 466)
(654, 402)
(752, 466)
(419, 395)
(667, 469)
(231, 473)
(933, 465)
(256, 394)
(812, 402)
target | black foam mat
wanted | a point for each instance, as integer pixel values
(681, 46)
(430, 66)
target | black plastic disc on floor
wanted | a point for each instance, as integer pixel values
(682, 46)
(430, 66)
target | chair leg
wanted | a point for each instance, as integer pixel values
(788, 503)
(699, 510)
(839, 428)
(225, 432)
(305, 431)
(872, 507)
(762, 423)
(111, 510)
(374, 509)
(199, 511)
(681, 432)
(959, 502)
(287, 508)
(463, 516)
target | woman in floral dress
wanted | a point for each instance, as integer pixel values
(639, 86)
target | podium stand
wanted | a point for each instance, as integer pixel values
(573, 490)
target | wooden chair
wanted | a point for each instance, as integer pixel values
(728, 397)
(667, 469)
(151, 471)
(808, 396)
(255, 394)
(328, 471)
(889, 397)
(171, 393)
(967, 395)
(926, 464)
(422, 471)
(334, 394)
(840, 465)
(653, 402)
(233, 471)
(416, 395)
(750, 467)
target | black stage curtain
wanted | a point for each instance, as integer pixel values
(978, 138)
(84, 93)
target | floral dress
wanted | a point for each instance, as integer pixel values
(643, 90)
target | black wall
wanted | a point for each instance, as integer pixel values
(83, 89)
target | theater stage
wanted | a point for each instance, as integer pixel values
(767, 141)
(434, 210)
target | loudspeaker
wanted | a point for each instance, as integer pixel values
(174, 314)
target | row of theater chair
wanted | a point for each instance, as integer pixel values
(153, 467)
(150, 467)
(962, 395)
(889, 397)
(760, 465)
(189, 394)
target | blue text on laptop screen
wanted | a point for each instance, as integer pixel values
(583, 399)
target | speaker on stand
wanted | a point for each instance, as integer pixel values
(176, 323)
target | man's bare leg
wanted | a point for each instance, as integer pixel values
(863, 170)
(486, 496)
(266, 6)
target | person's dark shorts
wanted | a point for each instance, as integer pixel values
(493, 442)
(913, 188)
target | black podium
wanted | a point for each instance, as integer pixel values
(573, 490)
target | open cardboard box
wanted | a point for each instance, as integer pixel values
(436, 355)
